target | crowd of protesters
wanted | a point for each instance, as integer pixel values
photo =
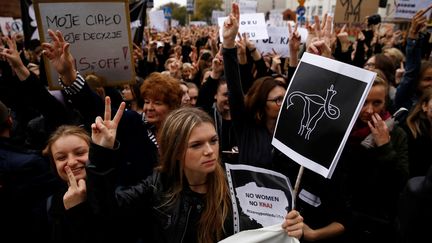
(70, 171)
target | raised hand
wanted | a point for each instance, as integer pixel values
(294, 45)
(417, 23)
(217, 66)
(13, 58)
(231, 27)
(241, 49)
(104, 131)
(399, 73)
(77, 190)
(138, 54)
(343, 38)
(60, 57)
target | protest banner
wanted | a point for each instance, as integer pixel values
(29, 22)
(158, 21)
(248, 6)
(215, 15)
(10, 26)
(251, 24)
(407, 8)
(276, 18)
(354, 11)
(260, 196)
(278, 40)
(99, 34)
(319, 110)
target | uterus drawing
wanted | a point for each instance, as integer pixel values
(314, 109)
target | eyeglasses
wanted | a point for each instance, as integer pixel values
(278, 100)
(369, 65)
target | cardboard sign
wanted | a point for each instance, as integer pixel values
(319, 110)
(99, 34)
(278, 40)
(407, 8)
(263, 196)
(252, 24)
(354, 11)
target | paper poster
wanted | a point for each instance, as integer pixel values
(319, 110)
(260, 197)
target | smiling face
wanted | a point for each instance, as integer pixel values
(72, 151)
(202, 152)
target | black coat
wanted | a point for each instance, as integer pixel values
(26, 181)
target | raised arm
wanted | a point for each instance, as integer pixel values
(60, 57)
(407, 87)
(231, 66)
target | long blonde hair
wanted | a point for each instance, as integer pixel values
(173, 137)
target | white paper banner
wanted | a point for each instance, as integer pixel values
(251, 24)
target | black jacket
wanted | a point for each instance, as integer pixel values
(145, 200)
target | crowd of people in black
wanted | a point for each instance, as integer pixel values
(144, 162)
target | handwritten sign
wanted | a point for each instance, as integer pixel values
(406, 9)
(278, 40)
(99, 34)
(354, 11)
(252, 25)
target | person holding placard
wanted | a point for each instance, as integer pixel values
(187, 193)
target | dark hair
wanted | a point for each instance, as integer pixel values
(256, 97)
(374, 19)
(206, 56)
(385, 64)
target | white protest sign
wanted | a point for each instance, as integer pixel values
(99, 34)
(319, 109)
(10, 26)
(174, 23)
(258, 195)
(407, 8)
(198, 23)
(251, 24)
(158, 21)
(276, 18)
(278, 40)
(248, 6)
(215, 15)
